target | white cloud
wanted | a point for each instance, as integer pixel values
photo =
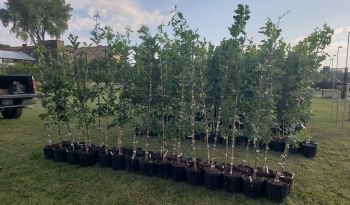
(80, 23)
(334, 46)
(298, 39)
(117, 14)
(338, 31)
(8, 38)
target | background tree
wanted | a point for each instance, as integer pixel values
(33, 19)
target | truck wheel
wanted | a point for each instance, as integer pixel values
(12, 113)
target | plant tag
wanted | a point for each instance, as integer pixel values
(111, 153)
(66, 150)
(250, 179)
(166, 153)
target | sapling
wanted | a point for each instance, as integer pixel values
(149, 114)
(47, 127)
(82, 94)
(97, 37)
(234, 131)
(216, 132)
(193, 106)
(180, 126)
(204, 110)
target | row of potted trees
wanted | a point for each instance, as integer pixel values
(306, 148)
(173, 85)
(274, 185)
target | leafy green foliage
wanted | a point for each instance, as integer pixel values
(34, 19)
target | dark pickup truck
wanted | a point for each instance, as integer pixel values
(16, 92)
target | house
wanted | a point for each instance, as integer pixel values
(10, 57)
(91, 52)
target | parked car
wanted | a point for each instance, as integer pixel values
(328, 85)
(16, 92)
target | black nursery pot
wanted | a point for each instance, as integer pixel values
(131, 165)
(48, 152)
(245, 169)
(194, 177)
(241, 140)
(60, 154)
(73, 156)
(212, 179)
(87, 158)
(147, 168)
(277, 144)
(127, 150)
(253, 188)
(203, 164)
(118, 161)
(233, 182)
(222, 166)
(276, 191)
(309, 149)
(163, 169)
(104, 158)
(265, 173)
(178, 171)
(287, 178)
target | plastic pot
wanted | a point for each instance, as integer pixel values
(194, 177)
(118, 161)
(288, 178)
(233, 181)
(241, 140)
(277, 144)
(203, 164)
(127, 150)
(212, 179)
(73, 156)
(131, 165)
(265, 173)
(66, 144)
(104, 158)
(253, 188)
(276, 191)
(163, 169)
(60, 154)
(222, 166)
(178, 171)
(309, 149)
(87, 158)
(245, 169)
(200, 136)
(48, 152)
(147, 168)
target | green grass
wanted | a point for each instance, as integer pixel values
(26, 178)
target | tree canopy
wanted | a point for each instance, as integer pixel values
(33, 19)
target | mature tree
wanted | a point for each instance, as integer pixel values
(33, 19)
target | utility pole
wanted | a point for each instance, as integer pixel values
(346, 74)
(346, 87)
(332, 71)
(336, 69)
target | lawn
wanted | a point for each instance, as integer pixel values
(26, 178)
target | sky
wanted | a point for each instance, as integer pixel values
(211, 18)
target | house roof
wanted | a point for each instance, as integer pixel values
(15, 55)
